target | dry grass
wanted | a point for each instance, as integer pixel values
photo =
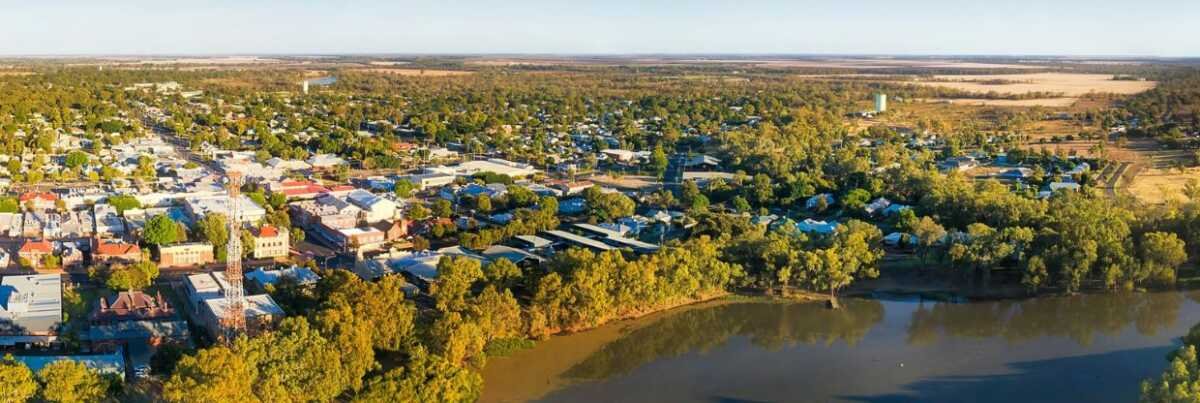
(1068, 84)
(16, 73)
(419, 72)
(1158, 185)
(1050, 102)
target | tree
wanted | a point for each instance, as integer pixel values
(216, 374)
(929, 233)
(1035, 273)
(135, 276)
(608, 206)
(124, 202)
(852, 255)
(442, 208)
(658, 161)
(71, 381)
(160, 230)
(214, 228)
(425, 378)
(17, 383)
(9, 205)
(456, 275)
(502, 272)
(417, 212)
(483, 203)
(391, 317)
(404, 188)
(76, 159)
(1180, 382)
(1162, 254)
(295, 363)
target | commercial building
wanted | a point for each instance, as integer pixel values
(198, 207)
(31, 310)
(269, 242)
(186, 254)
(206, 295)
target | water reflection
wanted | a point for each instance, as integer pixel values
(1080, 318)
(773, 326)
(766, 325)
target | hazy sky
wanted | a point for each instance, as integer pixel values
(1047, 27)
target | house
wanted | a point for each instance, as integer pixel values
(107, 251)
(817, 227)
(1017, 174)
(39, 200)
(814, 202)
(32, 252)
(325, 161)
(895, 208)
(185, 254)
(877, 206)
(899, 239)
(269, 242)
(31, 310)
(374, 208)
(958, 164)
(132, 306)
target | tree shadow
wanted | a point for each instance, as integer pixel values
(1107, 377)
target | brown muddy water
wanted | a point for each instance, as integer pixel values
(1083, 348)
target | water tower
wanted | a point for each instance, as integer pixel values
(880, 102)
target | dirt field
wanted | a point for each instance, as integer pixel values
(1158, 185)
(1050, 102)
(419, 72)
(1069, 84)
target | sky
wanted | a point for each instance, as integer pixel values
(1165, 28)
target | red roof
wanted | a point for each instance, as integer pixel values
(268, 231)
(116, 248)
(27, 196)
(42, 246)
(300, 190)
(343, 188)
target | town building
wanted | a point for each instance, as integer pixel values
(39, 200)
(33, 253)
(185, 254)
(132, 306)
(269, 242)
(374, 208)
(107, 251)
(31, 310)
(206, 295)
(199, 207)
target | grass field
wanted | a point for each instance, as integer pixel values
(418, 72)
(1069, 84)
(1157, 185)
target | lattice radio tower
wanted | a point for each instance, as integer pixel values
(235, 295)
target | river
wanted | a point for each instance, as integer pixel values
(1085, 348)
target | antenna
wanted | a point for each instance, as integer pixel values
(235, 295)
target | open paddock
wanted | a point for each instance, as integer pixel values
(413, 72)
(1157, 185)
(1070, 85)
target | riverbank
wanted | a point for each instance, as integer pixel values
(758, 348)
(519, 378)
